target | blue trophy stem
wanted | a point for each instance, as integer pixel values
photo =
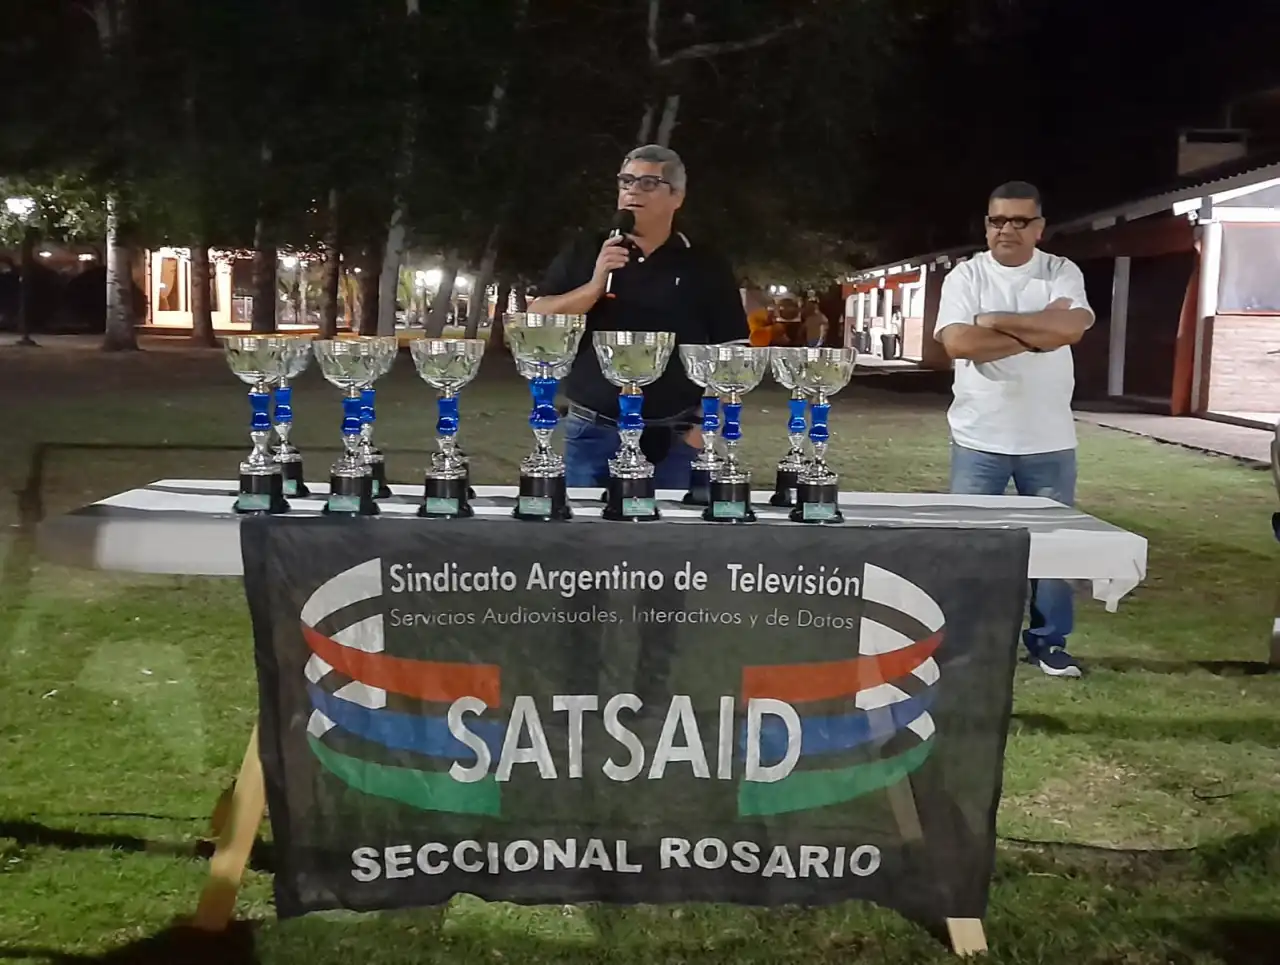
(710, 413)
(447, 409)
(795, 425)
(284, 405)
(261, 403)
(629, 418)
(367, 411)
(732, 421)
(544, 415)
(351, 414)
(818, 431)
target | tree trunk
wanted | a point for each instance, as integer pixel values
(25, 301)
(439, 315)
(667, 126)
(303, 307)
(265, 258)
(368, 282)
(201, 303)
(119, 335)
(478, 307)
(332, 271)
(497, 340)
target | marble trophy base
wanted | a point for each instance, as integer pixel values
(351, 496)
(817, 503)
(445, 499)
(730, 503)
(699, 493)
(378, 469)
(784, 488)
(261, 494)
(291, 470)
(542, 499)
(631, 500)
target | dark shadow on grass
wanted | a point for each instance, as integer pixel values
(1255, 730)
(1220, 668)
(30, 834)
(180, 945)
(1240, 941)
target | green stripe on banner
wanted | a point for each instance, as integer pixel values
(805, 790)
(424, 790)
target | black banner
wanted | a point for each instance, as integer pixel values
(768, 714)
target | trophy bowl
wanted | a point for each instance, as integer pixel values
(733, 371)
(260, 362)
(787, 363)
(631, 360)
(447, 364)
(353, 365)
(694, 358)
(544, 348)
(820, 373)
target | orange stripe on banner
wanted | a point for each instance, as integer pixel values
(443, 682)
(801, 682)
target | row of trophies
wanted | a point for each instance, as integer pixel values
(544, 348)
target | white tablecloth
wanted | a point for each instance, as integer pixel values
(187, 526)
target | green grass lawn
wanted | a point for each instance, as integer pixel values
(1141, 816)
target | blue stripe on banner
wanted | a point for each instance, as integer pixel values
(428, 736)
(830, 735)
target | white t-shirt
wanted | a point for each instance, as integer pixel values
(1021, 404)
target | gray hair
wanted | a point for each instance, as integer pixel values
(672, 167)
(1017, 191)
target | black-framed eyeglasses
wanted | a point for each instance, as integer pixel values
(648, 183)
(997, 222)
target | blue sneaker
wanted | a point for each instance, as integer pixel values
(1053, 660)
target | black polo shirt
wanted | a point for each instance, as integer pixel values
(682, 288)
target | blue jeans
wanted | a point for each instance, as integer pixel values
(588, 447)
(1051, 474)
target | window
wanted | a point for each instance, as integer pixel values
(169, 286)
(1248, 281)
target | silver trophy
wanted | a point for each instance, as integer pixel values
(259, 361)
(353, 365)
(786, 371)
(732, 371)
(632, 360)
(370, 453)
(297, 358)
(708, 460)
(820, 373)
(447, 364)
(544, 347)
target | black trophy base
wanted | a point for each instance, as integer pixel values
(699, 493)
(817, 503)
(445, 499)
(351, 496)
(293, 482)
(379, 470)
(261, 495)
(542, 499)
(784, 488)
(730, 503)
(631, 500)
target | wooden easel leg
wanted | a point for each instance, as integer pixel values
(967, 936)
(235, 843)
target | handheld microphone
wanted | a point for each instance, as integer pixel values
(624, 222)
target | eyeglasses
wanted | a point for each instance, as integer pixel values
(997, 222)
(648, 183)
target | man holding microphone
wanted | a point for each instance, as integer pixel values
(643, 277)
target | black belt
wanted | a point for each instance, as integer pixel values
(658, 435)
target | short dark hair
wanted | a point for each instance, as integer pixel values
(1017, 191)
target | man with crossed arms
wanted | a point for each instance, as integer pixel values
(1008, 317)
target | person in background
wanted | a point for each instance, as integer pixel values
(661, 281)
(1008, 317)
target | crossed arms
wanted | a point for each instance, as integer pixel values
(998, 335)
